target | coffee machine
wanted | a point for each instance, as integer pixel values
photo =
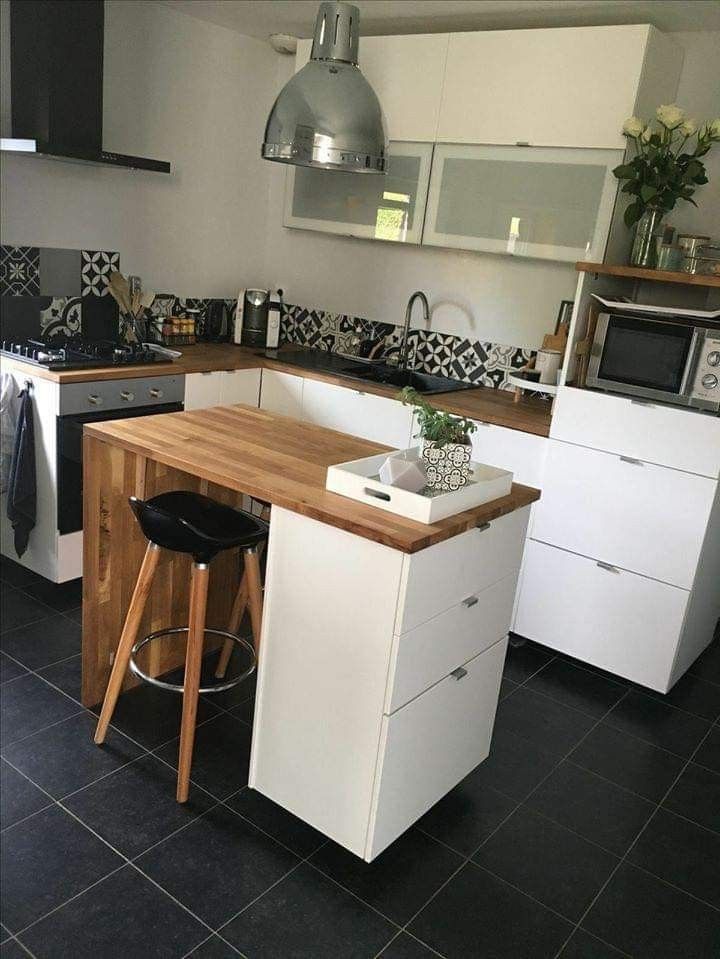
(258, 318)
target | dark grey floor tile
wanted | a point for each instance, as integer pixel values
(658, 723)
(694, 695)
(307, 916)
(9, 669)
(75, 615)
(278, 822)
(541, 720)
(405, 947)
(707, 665)
(579, 688)
(507, 686)
(709, 752)
(594, 808)
(66, 675)
(214, 948)
(15, 574)
(59, 596)
(45, 860)
(28, 705)
(4, 933)
(65, 758)
(584, 946)
(135, 807)
(522, 661)
(628, 761)
(400, 880)
(467, 815)
(152, 716)
(18, 796)
(230, 697)
(696, 796)
(477, 915)
(44, 642)
(221, 755)
(19, 609)
(515, 766)
(682, 853)
(245, 710)
(547, 861)
(217, 865)
(649, 919)
(123, 917)
(13, 950)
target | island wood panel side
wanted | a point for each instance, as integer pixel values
(113, 549)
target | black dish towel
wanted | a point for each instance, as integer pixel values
(22, 490)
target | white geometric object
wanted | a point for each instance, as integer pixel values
(406, 474)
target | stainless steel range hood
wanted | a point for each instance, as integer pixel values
(328, 115)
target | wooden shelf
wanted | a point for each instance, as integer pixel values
(658, 276)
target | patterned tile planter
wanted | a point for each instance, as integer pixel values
(448, 466)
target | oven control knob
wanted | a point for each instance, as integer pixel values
(156, 393)
(94, 399)
(709, 381)
(713, 359)
(127, 396)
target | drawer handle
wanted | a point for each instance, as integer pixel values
(377, 494)
(631, 459)
(607, 566)
(481, 527)
(458, 674)
(643, 403)
(470, 601)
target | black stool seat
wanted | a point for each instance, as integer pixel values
(189, 522)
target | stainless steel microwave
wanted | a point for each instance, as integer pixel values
(659, 359)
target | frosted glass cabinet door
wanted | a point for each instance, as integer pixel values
(554, 203)
(374, 207)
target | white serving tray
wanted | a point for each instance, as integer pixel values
(359, 480)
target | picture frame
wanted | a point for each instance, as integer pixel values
(564, 313)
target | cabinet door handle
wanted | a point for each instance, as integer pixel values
(631, 459)
(643, 403)
(470, 601)
(607, 566)
(458, 674)
(481, 527)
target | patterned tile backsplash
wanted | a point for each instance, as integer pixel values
(472, 361)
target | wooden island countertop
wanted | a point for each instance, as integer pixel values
(284, 462)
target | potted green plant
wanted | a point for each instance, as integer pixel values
(666, 168)
(446, 449)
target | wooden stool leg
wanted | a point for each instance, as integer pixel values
(191, 684)
(127, 638)
(255, 602)
(236, 616)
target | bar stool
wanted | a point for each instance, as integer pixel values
(188, 522)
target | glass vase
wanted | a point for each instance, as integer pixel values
(649, 228)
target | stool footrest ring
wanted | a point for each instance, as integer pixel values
(176, 687)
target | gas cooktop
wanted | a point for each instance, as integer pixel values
(76, 353)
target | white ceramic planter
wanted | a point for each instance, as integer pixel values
(448, 467)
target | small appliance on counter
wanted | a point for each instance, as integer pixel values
(215, 325)
(258, 318)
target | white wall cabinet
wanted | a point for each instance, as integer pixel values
(360, 414)
(221, 387)
(282, 393)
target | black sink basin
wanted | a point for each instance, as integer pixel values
(422, 382)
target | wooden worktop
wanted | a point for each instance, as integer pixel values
(530, 415)
(284, 461)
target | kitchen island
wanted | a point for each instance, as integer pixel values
(383, 639)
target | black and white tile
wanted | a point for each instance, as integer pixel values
(63, 316)
(19, 271)
(96, 267)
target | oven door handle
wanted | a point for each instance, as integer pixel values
(691, 365)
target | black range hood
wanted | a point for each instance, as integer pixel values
(56, 69)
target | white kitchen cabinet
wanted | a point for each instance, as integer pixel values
(406, 73)
(571, 86)
(549, 203)
(360, 414)
(614, 619)
(522, 453)
(635, 515)
(282, 393)
(203, 390)
(389, 207)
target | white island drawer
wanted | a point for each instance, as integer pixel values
(635, 515)
(616, 620)
(427, 747)
(425, 654)
(442, 576)
(671, 436)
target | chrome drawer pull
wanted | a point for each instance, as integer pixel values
(458, 674)
(607, 566)
(631, 459)
(470, 601)
(643, 403)
(481, 527)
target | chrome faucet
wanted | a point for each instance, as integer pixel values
(417, 295)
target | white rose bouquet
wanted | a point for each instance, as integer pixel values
(662, 170)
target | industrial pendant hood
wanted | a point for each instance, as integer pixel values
(328, 115)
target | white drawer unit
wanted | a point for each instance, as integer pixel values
(282, 393)
(360, 414)
(521, 453)
(427, 747)
(669, 436)
(635, 515)
(220, 387)
(202, 390)
(614, 619)
(442, 643)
